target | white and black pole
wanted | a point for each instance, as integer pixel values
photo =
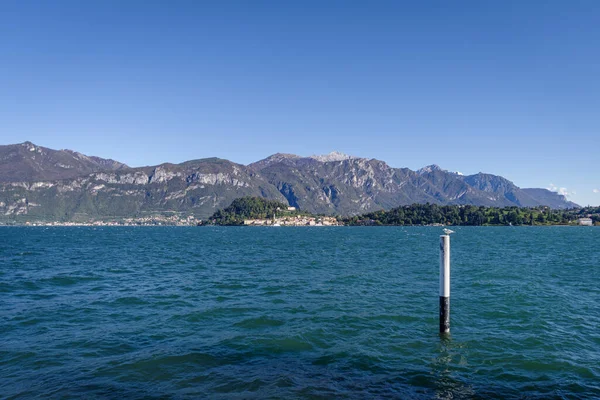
(445, 283)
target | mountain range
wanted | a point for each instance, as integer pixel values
(41, 183)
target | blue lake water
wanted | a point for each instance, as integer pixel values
(208, 312)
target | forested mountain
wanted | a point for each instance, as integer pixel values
(41, 183)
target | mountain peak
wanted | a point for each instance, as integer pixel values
(282, 156)
(29, 146)
(27, 162)
(333, 156)
(272, 159)
(429, 168)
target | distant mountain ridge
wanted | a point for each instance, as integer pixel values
(28, 162)
(36, 182)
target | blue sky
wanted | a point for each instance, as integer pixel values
(510, 88)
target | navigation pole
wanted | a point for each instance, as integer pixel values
(445, 283)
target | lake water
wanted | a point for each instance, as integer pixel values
(208, 312)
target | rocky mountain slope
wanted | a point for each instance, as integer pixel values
(26, 162)
(353, 185)
(196, 187)
(39, 183)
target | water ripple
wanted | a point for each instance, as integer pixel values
(297, 313)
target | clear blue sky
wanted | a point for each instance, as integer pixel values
(506, 87)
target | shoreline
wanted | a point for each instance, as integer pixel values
(108, 224)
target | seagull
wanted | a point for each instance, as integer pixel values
(448, 231)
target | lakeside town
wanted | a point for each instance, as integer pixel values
(189, 221)
(192, 221)
(298, 220)
(155, 220)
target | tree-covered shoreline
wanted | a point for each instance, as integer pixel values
(468, 215)
(249, 208)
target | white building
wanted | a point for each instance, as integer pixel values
(586, 221)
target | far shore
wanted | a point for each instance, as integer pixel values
(250, 224)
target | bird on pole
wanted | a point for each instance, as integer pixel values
(448, 231)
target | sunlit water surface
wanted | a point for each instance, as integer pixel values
(297, 313)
